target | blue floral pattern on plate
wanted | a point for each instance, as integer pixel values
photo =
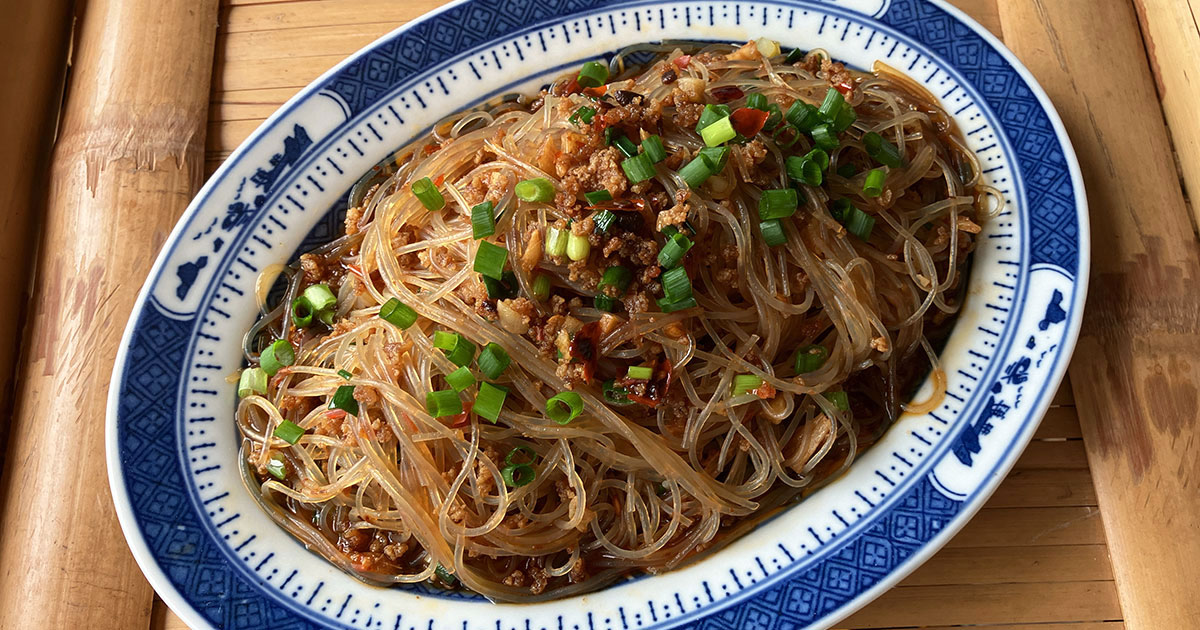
(221, 564)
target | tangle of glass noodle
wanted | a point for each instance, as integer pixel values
(619, 490)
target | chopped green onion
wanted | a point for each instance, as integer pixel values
(832, 105)
(757, 100)
(775, 116)
(538, 189)
(711, 114)
(597, 196)
(556, 241)
(881, 150)
(428, 194)
(345, 374)
(718, 133)
(668, 306)
(442, 403)
(493, 360)
(625, 145)
(277, 355)
(839, 400)
(696, 172)
(483, 220)
(584, 113)
(518, 475)
(793, 56)
(676, 284)
(716, 157)
(604, 303)
(302, 313)
(593, 74)
(873, 186)
(603, 220)
(839, 209)
(824, 137)
(772, 232)
(502, 289)
(289, 431)
(778, 203)
(810, 358)
(489, 401)
(343, 399)
(845, 118)
(818, 156)
(460, 379)
(326, 316)
(802, 116)
(578, 247)
(804, 170)
(490, 259)
(541, 287)
(530, 455)
(653, 147)
(615, 394)
(252, 381)
(859, 223)
(398, 314)
(276, 466)
(744, 383)
(565, 407)
(455, 346)
(847, 170)
(616, 276)
(445, 575)
(640, 372)
(320, 297)
(638, 168)
(673, 250)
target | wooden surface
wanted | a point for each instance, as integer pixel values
(127, 161)
(1037, 556)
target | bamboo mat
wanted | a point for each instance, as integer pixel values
(1036, 556)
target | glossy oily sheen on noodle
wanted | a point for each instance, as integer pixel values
(604, 329)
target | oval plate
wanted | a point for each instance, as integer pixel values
(219, 562)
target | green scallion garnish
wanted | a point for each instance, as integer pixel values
(676, 284)
(859, 223)
(302, 313)
(457, 349)
(832, 105)
(428, 194)
(778, 203)
(615, 394)
(584, 114)
(616, 276)
(604, 303)
(802, 116)
(490, 259)
(597, 196)
(668, 306)
(289, 431)
(603, 220)
(711, 114)
(624, 144)
(824, 137)
(252, 381)
(442, 403)
(493, 360)
(881, 150)
(810, 358)
(640, 372)
(343, 398)
(398, 314)
(277, 355)
(772, 232)
(320, 297)
(460, 379)
(757, 100)
(541, 287)
(673, 250)
(578, 247)
(564, 407)
(483, 220)
(276, 466)
(593, 74)
(538, 189)
(839, 400)
(696, 172)
(489, 401)
(873, 186)
(653, 147)
(718, 132)
(638, 168)
(520, 449)
(556, 241)
(345, 374)
(745, 383)
(804, 170)
(518, 475)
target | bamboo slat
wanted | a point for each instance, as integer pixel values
(1171, 30)
(1014, 565)
(1028, 526)
(1135, 369)
(32, 66)
(125, 165)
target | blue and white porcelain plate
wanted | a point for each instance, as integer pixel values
(220, 562)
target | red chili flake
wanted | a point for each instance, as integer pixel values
(596, 91)
(649, 393)
(462, 419)
(573, 86)
(437, 181)
(585, 348)
(748, 122)
(335, 414)
(727, 93)
(683, 60)
(846, 88)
